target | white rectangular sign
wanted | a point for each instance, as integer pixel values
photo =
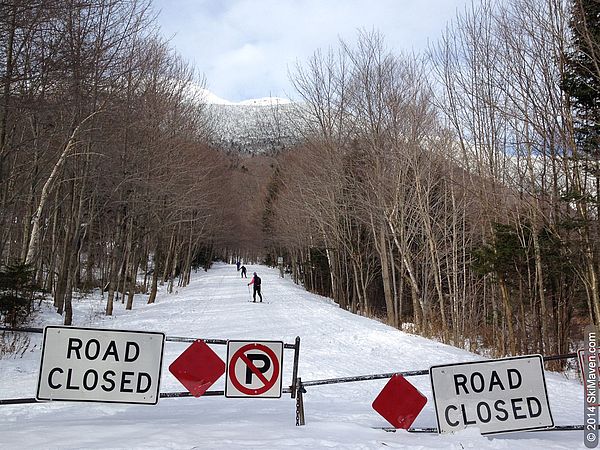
(497, 396)
(84, 364)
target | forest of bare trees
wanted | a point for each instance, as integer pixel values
(450, 192)
(104, 167)
(454, 194)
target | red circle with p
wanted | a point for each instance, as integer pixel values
(264, 354)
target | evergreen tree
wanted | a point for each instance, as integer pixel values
(581, 83)
(582, 78)
(16, 294)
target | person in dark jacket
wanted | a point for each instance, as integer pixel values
(256, 282)
(237, 264)
(243, 271)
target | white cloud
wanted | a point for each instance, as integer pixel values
(244, 47)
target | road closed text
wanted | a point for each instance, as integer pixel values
(484, 411)
(124, 381)
(496, 396)
(100, 365)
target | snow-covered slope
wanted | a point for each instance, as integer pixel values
(266, 101)
(260, 125)
(335, 343)
(254, 128)
(211, 98)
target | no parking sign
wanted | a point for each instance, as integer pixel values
(254, 369)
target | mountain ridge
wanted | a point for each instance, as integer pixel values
(253, 126)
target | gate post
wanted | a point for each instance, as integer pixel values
(300, 404)
(295, 380)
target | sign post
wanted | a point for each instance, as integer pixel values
(254, 369)
(84, 364)
(498, 396)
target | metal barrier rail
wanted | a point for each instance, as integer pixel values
(410, 373)
(20, 401)
(435, 430)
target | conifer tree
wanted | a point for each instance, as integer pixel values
(582, 78)
(581, 83)
(16, 294)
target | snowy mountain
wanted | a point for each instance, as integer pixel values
(334, 343)
(261, 125)
(212, 99)
(266, 101)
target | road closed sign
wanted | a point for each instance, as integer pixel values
(497, 396)
(83, 364)
(254, 369)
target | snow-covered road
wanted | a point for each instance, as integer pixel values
(334, 343)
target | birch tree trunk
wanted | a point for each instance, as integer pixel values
(35, 220)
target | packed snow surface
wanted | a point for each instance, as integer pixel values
(334, 343)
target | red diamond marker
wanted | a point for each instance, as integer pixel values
(197, 368)
(399, 402)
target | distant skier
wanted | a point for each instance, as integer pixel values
(244, 272)
(256, 282)
(237, 264)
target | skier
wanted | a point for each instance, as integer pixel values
(237, 264)
(244, 272)
(256, 282)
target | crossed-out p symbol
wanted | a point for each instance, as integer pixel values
(252, 357)
(254, 369)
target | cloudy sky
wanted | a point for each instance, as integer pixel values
(246, 48)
